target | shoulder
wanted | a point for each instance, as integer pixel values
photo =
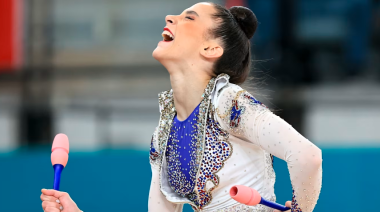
(235, 105)
(230, 89)
(234, 93)
(223, 88)
(237, 111)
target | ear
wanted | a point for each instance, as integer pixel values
(211, 51)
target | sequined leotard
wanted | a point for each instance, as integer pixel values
(179, 154)
(228, 140)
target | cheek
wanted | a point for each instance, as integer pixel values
(197, 32)
(191, 35)
(194, 29)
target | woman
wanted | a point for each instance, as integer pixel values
(212, 134)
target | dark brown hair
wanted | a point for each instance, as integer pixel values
(235, 27)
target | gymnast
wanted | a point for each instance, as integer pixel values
(212, 134)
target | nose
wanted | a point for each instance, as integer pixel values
(170, 19)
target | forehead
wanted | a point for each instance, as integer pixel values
(204, 9)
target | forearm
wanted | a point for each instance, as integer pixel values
(306, 178)
(304, 159)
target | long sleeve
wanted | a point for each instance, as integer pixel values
(157, 201)
(247, 118)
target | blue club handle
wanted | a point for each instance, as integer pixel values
(57, 175)
(273, 205)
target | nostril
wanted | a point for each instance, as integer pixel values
(169, 19)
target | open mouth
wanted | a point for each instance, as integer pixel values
(167, 35)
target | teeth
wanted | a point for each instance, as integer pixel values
(168, 33)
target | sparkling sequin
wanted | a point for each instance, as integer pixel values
(153, 152)
(182, 173)
(236, 112)
(239, 123)
(154, 156)
(270, 175)
(295, 206)
(245, 208)
(253, 100)
(217, 150)
(204, 122)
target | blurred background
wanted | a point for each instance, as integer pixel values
(84, 68)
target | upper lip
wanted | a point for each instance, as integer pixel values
(167, 29)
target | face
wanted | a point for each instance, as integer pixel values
(184, 35)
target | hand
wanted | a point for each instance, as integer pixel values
(287, 204)
(53, 201)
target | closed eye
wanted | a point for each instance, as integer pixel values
(188, 17)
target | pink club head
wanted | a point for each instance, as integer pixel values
(245, 195)
(60, 150)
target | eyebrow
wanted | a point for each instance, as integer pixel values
(192, 12)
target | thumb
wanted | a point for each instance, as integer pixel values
(288, 204)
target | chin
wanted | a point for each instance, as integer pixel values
(156, 53)
(160, 54)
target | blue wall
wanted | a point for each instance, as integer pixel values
(112, 180)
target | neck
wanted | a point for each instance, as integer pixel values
(188, 86)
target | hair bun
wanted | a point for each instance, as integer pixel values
(246, 19)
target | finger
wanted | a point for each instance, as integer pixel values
(49, 198)
(52, 209)
(51, 192)
(47, 204)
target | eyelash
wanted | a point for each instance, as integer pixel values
(189, 18)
